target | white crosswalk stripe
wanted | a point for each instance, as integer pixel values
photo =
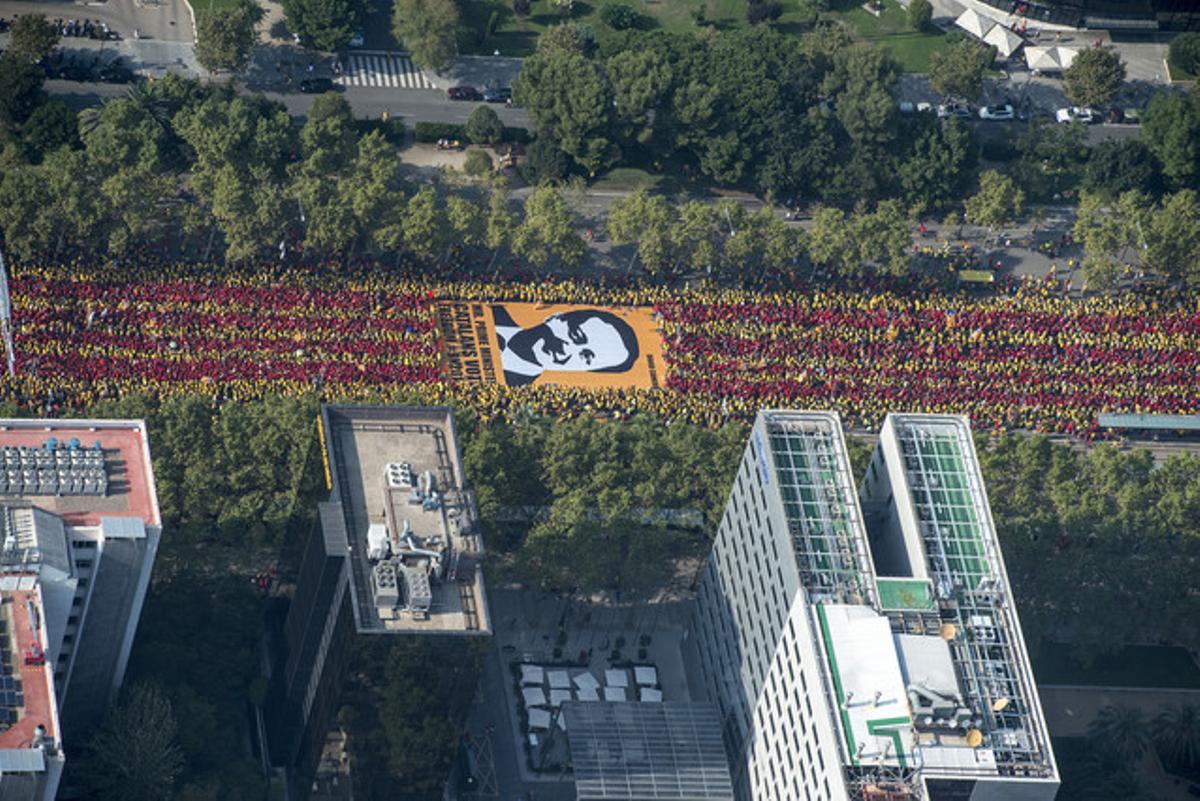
(384, 70)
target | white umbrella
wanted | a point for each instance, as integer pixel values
(972, 23)
(1005, 41)
(1066, 55)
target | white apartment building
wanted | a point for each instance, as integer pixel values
(864, 645)
(79, 532)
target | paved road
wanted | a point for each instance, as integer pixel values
(156, 20)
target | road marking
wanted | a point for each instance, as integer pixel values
(379, 69)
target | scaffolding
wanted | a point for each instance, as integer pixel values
(970, 586)
(821, 507)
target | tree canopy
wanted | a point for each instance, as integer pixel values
(225, 36)
(323, 24)
(957, 71)
(1094, 77)
(427, 28)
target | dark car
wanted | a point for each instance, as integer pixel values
(500, 95)
(316, 86)
(463, 93)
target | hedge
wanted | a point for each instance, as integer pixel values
(430, 132)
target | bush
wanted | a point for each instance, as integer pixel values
(432, 131)
(766, 11)
(1184, 53)
(392, 130)
(1001, 149)
(484, 126)
(920, 14)
(547, 162)
(619, 16)
(522, 7)
(478, 163)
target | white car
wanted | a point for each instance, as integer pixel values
(1072, 113)
(954, 110)
(357, 39)
(1003, 112)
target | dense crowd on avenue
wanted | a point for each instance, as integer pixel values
(1024, 358)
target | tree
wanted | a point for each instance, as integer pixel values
(640, 80)
(831, 242)
(1121, 731)
(477, 163)
(957, 71)
(1184, 53)
(135, 756)
(619, 16)
(32, 38)
(51, 126)
(328, 138)
(323, 24)
(571, 37)
(997, 201)
(20, 89)
(1103, 234)
(425, 227)
(546, 162)
(920, 14)
(427, 28)
(568, 97)
(1177, 735)
(467, 220)
(547, 231)
(225, 37)
(760, 11)
(645, 220)
(697, 235)
(885, 238)
(1172, 131)
(376, 194)
(1094, 77)
(934, 172)
(501, 222)
(1117, 166)
(1173, 238)
(484, 126)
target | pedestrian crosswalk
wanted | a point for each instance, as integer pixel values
(394, 70)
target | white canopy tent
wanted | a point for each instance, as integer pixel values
(645, 675)
(532, 674)
(559, 680)
(650, 695)
(1005, 41)
(587, 694)
(615, 694)
(558, 696)
(533, 696)
(539, 719)
(974, 24)
(616, 678)
(1049, 59)
(586, 681)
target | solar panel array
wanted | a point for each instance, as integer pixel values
(52, 470)
(660, 752)
(12, 699)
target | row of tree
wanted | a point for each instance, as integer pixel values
(1162, 237)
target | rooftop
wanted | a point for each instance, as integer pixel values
(409, 520)
(128, 488)
(27, 698)
(647, 752)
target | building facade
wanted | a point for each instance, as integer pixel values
(394, 550)
(79, 532)
(863, 644)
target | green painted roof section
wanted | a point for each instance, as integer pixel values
(1164, 422)
(905, 593)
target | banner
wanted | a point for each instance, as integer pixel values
(522, 344)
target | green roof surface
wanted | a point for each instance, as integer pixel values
(905, 593)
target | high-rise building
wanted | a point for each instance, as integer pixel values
(864, 644)
(79, 531)
(394, 550)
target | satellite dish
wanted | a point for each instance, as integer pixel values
(974, 738)
(948, 631)
(1000, 704)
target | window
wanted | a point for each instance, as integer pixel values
(83, 564)
(68, 639)
(73, 620)
(76, 602)
(84, 543)
(83, 582)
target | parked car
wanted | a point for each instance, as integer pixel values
(1073, 113)
(463, 93)
(1001, 113)
(316, 86)
(499, 95)
(357, 39)
(959, 110)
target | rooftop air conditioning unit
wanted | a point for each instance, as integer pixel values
(399, 475)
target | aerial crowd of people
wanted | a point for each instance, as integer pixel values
(1024, 358)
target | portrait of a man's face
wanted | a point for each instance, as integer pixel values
(588, 340)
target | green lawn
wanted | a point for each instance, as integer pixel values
(890, 31)
(517, 37)
(1131, 666)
